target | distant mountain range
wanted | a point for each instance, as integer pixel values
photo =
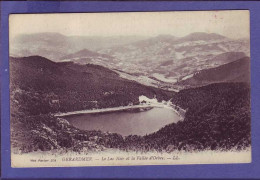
(55, 45)
(207, 75)
(159, 61)
(200, 36)
(173, 58)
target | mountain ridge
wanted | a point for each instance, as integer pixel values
(84, 53)
(55, 45)
(235, 71)
(74, 85)
(201, 36)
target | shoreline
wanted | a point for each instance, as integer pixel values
(115, 109)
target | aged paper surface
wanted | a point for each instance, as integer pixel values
(136, 88)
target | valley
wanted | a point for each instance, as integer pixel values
(160, 61)
(202, 80)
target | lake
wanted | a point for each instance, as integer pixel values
(125, 122)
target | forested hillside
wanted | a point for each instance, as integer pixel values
(43, 86)
(217, 115)
(236, 71)
(217, 118)
(39, 88)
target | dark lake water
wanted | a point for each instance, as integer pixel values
(125, 122)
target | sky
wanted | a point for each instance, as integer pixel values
(233, 24)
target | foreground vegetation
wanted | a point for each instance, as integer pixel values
(217, 117)
(40, 87)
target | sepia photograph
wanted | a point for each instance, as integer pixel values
(130, 88)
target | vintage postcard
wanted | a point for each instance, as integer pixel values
(125, 89)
